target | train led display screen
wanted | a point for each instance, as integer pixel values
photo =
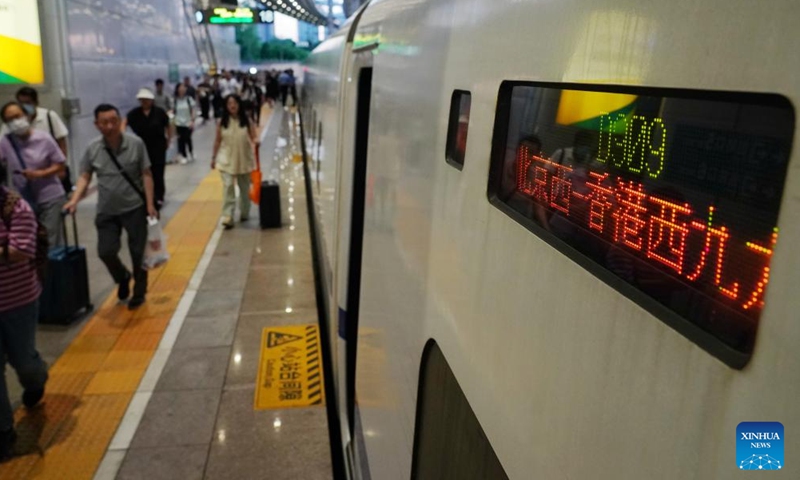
(670, 196)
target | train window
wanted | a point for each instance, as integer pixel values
(670, 196)
(457, 128)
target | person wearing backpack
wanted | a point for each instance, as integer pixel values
(20, 287)
(35, 162)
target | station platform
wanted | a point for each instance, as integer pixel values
(186, 386)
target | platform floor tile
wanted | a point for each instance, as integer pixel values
(93, 381)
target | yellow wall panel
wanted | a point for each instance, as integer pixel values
(21, 60)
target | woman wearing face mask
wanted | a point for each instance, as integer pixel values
(34, 162)
(43, 119)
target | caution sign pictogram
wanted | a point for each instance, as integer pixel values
(276, 339)
(290, 368)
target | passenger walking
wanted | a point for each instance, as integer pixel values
(49, 122)
(204, 91)
(190, 90)
(35, 161)
(218, 102)
(283, 83)
(166, 102)
(228, 85)
(258, 101)
(234, 157)
(273, 89)
(125, 199)
(160, 99)
(286, 81)
(19, 308)
(249, 98)
(185, 113)
(152, 125)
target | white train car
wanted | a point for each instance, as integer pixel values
(556, 238)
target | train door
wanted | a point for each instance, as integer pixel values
(357, 238)
(352, 188)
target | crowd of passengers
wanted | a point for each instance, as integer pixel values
(128, 162)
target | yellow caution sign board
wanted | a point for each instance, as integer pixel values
(290, 368)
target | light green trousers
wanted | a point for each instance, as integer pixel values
(229, 183)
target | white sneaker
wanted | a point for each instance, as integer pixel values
(183, 161)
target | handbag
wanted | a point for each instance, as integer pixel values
(126, 176)
(27, 191)
(255, 182)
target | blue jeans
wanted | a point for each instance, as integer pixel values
(18, 347)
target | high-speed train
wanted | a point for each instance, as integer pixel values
(555, 238)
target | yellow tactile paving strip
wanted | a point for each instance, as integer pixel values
(92, 383)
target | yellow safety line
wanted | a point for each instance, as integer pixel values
(92, 383)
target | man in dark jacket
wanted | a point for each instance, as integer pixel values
(152, 125)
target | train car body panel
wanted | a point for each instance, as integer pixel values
(568, 377)
(322, 90)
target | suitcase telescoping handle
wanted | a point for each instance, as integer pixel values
(74, 229)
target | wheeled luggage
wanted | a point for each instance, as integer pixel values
(269, 205)
(65, 293)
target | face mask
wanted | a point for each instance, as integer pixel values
(29, 108)
(19, 126)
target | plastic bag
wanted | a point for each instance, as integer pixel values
(172, 152)
(155, 252)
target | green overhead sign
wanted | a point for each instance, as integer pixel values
(233, 16)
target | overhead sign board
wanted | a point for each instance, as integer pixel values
(20, 43)
(233, 16)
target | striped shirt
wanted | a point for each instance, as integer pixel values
(19, 284)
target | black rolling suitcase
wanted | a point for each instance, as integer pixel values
(65, 293)
(269, 207)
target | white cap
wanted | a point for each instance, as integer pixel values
(146, 94)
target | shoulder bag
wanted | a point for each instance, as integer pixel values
(126, 176)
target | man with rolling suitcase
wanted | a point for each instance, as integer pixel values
(19, 303)
(125, 199)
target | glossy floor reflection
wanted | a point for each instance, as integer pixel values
(200, 421)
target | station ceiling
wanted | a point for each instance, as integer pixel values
(304, 10)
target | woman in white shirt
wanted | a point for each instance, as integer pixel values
(234, 157)
(185, 113)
